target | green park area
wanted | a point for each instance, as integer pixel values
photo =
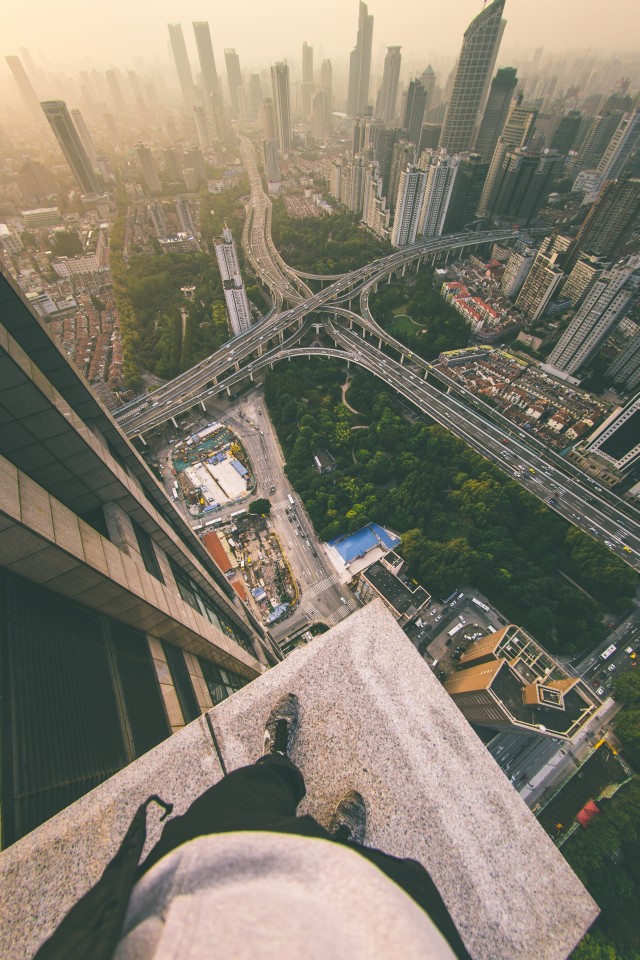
(331, 244)
(461, 519)
(413, 312)
(150, 301)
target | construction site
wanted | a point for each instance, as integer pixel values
(212, 470)
(250, 555)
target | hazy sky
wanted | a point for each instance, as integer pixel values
(116, 31)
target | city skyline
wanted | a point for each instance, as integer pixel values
(45, 31)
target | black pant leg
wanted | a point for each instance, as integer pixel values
(262, 796)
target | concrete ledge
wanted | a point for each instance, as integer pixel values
(372, 717)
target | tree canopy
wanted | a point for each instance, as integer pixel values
(460, 517)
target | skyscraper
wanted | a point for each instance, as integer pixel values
(149, 168)
(610, 222)
(269, 120)
(503, 87)
(517, 133)
(113, 612)
(255, 94)
(360, 64)
(623, 142)
(272, 164)
(525, 183)
(67, 136)
(307, 77)
(183, 67)
(466, 193)
(326, 83)
(281, 104)
(516, 271)
(402, 154)
(24, 85)
(625, 369)
(318, 115)
(202, 127)
(543, 279)
(389, 89)
(113, 82)
(408, 206)
(566, 132)
(234, 77)
(472, 76)
(601, 129)
(414, 111)
(441, 170)
(206, 58)
(375, 213)
(185, 216)
(611, 294)
(85, 138)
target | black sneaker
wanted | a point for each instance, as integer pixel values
(349, 822)
(282, 726)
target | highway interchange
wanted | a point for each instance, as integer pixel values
(323, 323)
(357, 338)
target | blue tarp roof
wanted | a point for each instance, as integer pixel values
(238, 466)
(357, 544)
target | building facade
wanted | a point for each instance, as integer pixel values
(116, 626)
(69, 140)
(605, 304)
(472, 77)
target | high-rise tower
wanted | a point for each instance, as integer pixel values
(234, 76)
(517, 133)
(610, 222)
(610, 295)
(149, 168)
(207, 61)
(117, 626)
(326, 83)
(623, 142)
(307, 77)
(67, 136)
(441, 172)
(281, 104)
(24, 85)
(183, 67)
(360, 64)
(472, 76)
(414, 110)
(408, 206)
(389, 89)
(503, 87)
(85, 138)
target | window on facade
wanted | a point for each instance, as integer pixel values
(182, 682)
(221, 683)
(192, 594)
(147, 551)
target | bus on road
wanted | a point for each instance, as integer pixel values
(290, 498)
(480, 604)
(608, 652)
(455, 629)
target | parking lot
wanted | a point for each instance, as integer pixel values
(446, 629)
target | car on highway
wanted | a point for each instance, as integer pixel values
(611, 667)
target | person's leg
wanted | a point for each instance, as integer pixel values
(263, 796)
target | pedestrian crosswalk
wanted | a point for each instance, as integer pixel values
(320, 586)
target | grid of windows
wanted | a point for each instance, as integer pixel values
(221, 683)
(192, 594)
